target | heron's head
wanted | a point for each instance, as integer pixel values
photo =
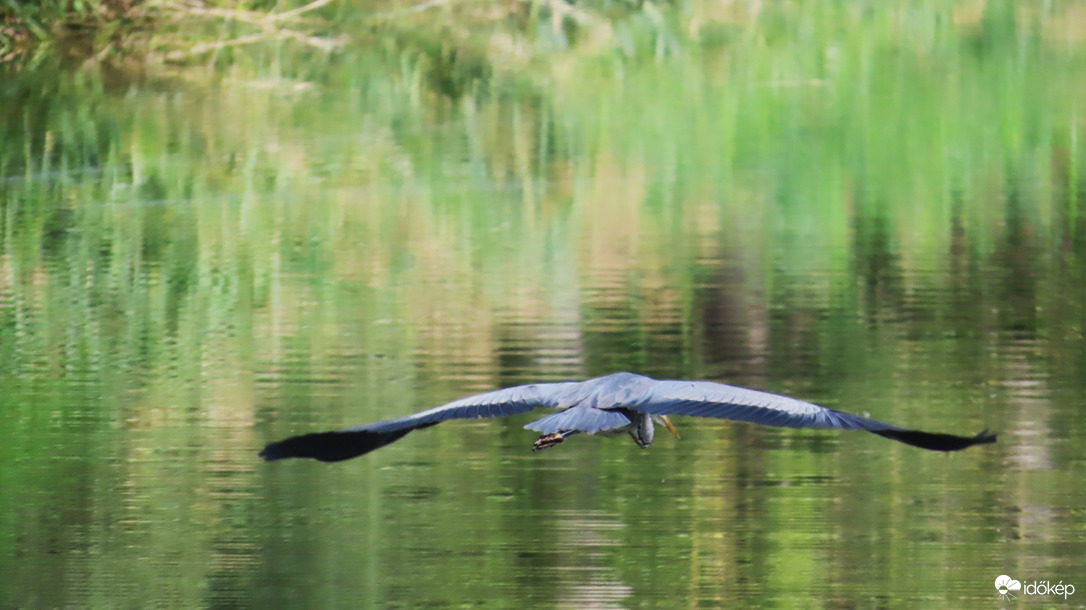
(643, 432)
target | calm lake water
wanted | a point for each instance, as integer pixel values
(878, 212)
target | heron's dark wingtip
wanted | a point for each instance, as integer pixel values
(323, 446)
(937, 442)
(332, 446)
(273, 452)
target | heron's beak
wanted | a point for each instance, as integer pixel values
(667, 422)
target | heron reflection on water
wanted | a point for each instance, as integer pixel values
(611, 405)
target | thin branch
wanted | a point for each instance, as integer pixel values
(298, 11)
(326, 44)
(192, 9)
(253, 17)
(205, 47)
(267, 23)
(418, 8)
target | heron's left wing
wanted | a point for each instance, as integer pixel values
(344, 444)
(708, 399)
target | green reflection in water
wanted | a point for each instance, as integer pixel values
(873, 211)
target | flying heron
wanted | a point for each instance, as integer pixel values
(611, 405)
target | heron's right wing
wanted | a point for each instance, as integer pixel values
(709, 399)
(344, 444)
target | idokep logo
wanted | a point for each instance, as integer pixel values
(1007, 585)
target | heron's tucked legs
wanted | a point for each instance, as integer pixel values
(549, 440)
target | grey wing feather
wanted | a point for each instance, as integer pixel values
(345, 444)
(708, 399)
(500, 403)
(583, 419)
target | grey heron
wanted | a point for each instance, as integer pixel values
(610, 405)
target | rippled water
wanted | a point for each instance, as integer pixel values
(132, 488)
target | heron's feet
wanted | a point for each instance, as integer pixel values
(548, 440)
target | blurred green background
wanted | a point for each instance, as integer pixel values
(224, 223)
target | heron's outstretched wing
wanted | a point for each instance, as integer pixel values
(352, 442)
(589, 420)
(708, 399)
